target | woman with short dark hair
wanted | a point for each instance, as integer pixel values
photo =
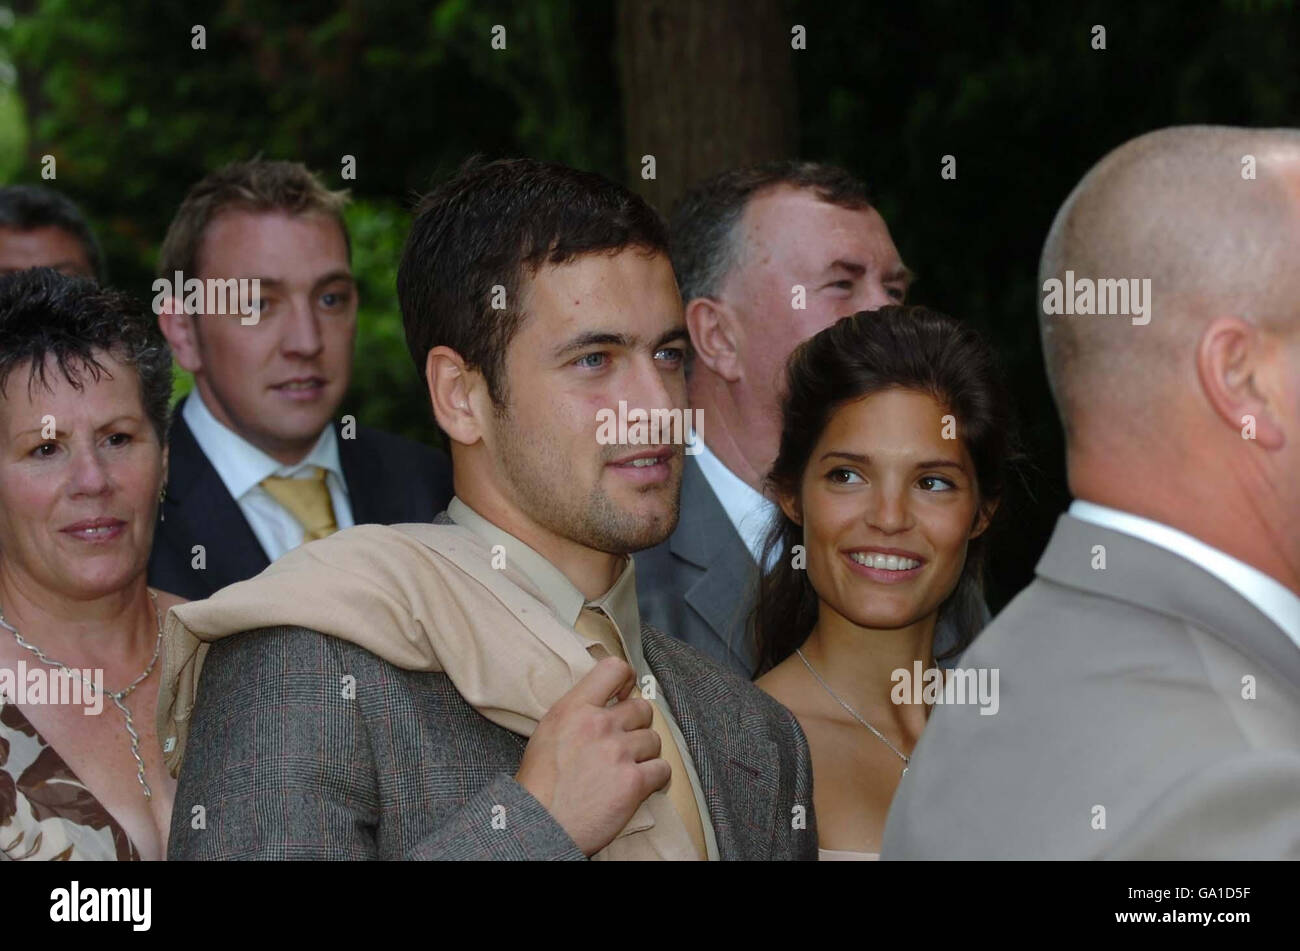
(893, 458)
(85, 382)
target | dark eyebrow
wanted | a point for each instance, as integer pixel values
(851, 456)
(941, 464)
(861, 459)
(128, 417)
(332, 276)
(591, 338)
(672, 336)
(340, 275)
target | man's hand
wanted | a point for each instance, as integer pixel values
(590, 764)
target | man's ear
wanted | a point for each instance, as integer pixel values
(716, 336)
(458, 394)
(1236, 364)
(182, 333)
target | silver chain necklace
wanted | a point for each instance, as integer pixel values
(854, 713)
(117, 697)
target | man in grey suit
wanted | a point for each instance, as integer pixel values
(1150, 675)
(534, 298)
(766, 257)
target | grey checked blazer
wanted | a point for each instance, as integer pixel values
(287, 767)
(1121, 689)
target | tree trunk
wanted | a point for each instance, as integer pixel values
(706, 86)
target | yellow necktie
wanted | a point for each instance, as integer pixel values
(307, 500)
(594, 625)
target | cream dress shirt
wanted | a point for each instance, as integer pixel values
(618, 603)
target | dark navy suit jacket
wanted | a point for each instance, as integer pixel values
(390, 480)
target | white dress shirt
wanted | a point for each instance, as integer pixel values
(1273, 599)
(242, 466)
(749, 511)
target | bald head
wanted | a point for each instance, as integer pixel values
(1185, 409)
(1211, 216)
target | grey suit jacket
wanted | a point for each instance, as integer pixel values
(1123, 729)
(288, 763)
(701, 584)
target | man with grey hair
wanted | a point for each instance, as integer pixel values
(765, 256)
(1151, 672)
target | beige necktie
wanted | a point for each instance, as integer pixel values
(594, 625)
(307, 500)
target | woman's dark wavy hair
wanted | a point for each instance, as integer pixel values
(895, 347)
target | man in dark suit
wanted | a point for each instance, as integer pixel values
(766, 257)
(536, 298)
(389, 480)
(256, 297)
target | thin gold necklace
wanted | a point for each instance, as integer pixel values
(117, 697)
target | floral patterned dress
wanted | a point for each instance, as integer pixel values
(46, 812)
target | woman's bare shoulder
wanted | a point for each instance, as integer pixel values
(782, 684)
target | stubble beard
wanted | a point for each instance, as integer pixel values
(545, 485)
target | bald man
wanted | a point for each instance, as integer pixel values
(1151, 673)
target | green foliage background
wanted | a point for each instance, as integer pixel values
(134, 115)
(1014, 90)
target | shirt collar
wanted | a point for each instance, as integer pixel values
(749, 511)
(620, 603)
(240, 464)
(1273, 599)
(565, 600)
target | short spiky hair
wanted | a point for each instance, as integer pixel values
(45, 314)
(703, 225)
(255, 185)
(482, 228)
(28, 207)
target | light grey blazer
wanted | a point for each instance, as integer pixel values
(1122, 729)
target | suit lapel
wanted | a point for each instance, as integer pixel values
(706, 539)
(362, 477)
(737, 767)
(199, 510)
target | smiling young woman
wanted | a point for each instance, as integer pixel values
(894, 447)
